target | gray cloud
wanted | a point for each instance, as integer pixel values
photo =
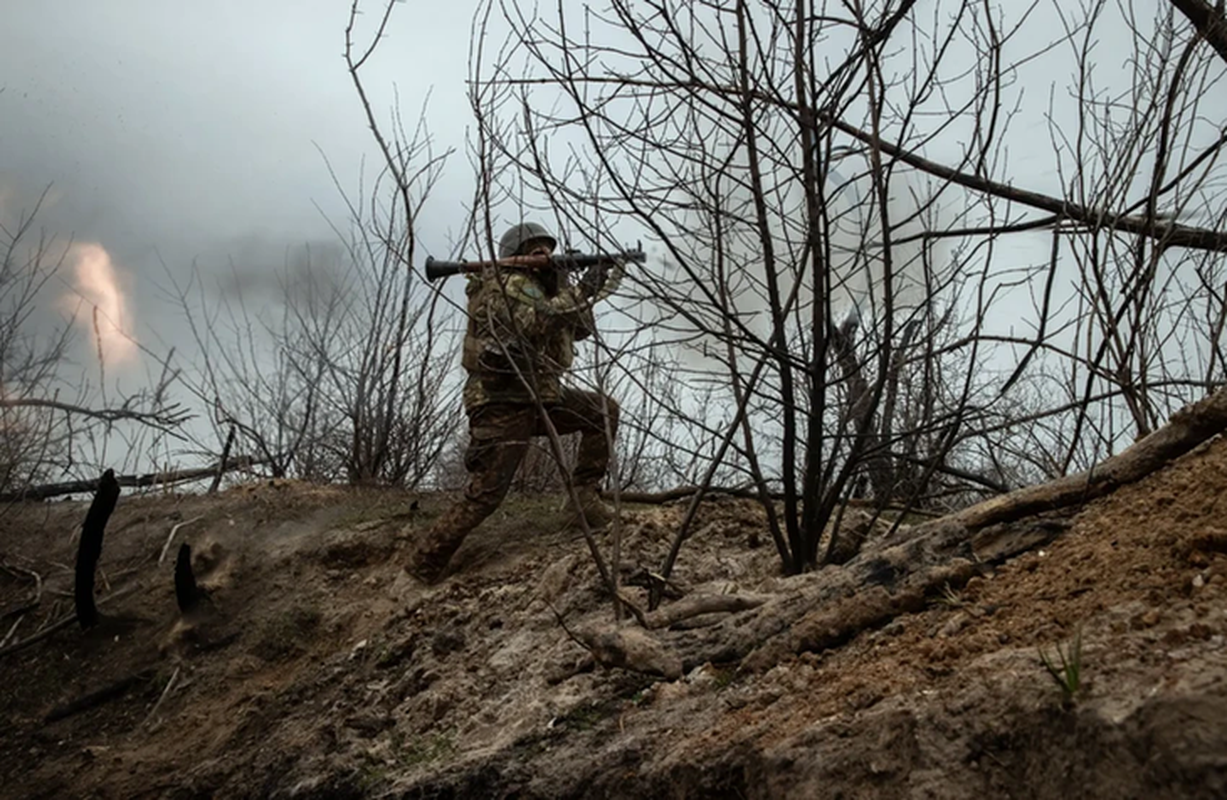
(178, 129)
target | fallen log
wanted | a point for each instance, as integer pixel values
(1188, 428)
(697, 605)
(631, 649)
(166, 478)
(901, 575)
(683, 492)
(740, 493)
(831, 606)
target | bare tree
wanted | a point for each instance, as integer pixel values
(345, 374)
(48, 416)
(860, 301)
(340, 378)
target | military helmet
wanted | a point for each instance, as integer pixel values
(517, 236)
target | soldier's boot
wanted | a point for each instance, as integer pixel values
(438, 544)
(429, 564)
(593, 508)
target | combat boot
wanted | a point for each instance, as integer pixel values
(437, 545)
(594, 509)
(426, 569)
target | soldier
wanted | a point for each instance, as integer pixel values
(520, 341)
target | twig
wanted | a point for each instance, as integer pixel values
(635, 610)
(55, 609)
(127, 571)
(20, 611)
(221, 463)
(38, 579)
(172, 416)
(170, 684)
(88, 701)
(173, 530)
(64, 623)
(12, 630)
(568, 631)
(30, 605)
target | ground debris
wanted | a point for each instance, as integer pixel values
(631, 649)
(910, 670)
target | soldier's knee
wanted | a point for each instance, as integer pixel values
(485, 500)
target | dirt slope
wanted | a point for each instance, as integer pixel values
(317, 669)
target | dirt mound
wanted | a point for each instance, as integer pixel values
(315, 668)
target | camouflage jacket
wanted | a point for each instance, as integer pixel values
(518, 339)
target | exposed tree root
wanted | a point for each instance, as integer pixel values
(697, 605)
(632, 649)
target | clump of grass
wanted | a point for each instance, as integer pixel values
(1068, 675)
(950, 598)
(421, 750)
(371, 778)
(585, 717)
(725, 677)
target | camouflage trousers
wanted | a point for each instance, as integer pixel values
(499, 435)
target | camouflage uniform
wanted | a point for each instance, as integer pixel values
(519, 343)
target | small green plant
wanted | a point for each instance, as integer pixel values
(421, 750)
(371, 777)
(725, 677)
(950, 598)
(585, 717)
(1067, 676)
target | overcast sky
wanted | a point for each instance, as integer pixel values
(191, 129)
(195, 130)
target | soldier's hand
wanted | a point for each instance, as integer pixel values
(594, 278)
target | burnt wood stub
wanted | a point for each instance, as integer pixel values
(187, 593)
(89, 550)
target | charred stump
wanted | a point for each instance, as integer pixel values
(187, 594)
(90, 549)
